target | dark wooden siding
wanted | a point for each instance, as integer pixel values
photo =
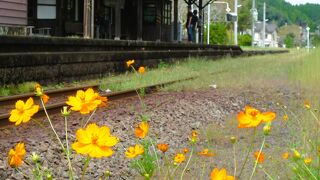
(13, 12)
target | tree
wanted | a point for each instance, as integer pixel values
(218, 34)
(289, 40)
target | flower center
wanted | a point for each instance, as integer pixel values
(94, 139)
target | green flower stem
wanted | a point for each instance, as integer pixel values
(68, 149)
(202, 172)
(249, 150)
(256, 162)
(85, 167)
(185, 168)
(89, 118)
(308, 169)
(234, 160)
(265, 172)
(155, 153)
(141, 102)
(172, 175)
(23, 174)
(49, 119)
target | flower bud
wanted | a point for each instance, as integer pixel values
(49, 176)
(296, 154)
(65, 112)
(35, 157)
(266, 130)
(107, 173)
(146, 175)
(233, 139)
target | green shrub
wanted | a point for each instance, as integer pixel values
(245, 40)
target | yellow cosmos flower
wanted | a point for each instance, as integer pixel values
(307, 161)
(179, 158)
(285, 155)
(142, 130)
(141, 70)
(285, 117)
(130, 62)
(134, 151)
(252, 117)
(217, 174)
(16, 156)
(94, 141)
(23, 111)
(307, 104)
(84, 101)
(206, 153)
(163, 147)
(259, 157)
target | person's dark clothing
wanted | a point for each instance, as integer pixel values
(194, 20)
(189, 26)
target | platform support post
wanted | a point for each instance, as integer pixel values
(117, 21)
(139, 20)
(175, 20)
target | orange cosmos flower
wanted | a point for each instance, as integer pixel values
(130, 62)
(252, 117)
(134, 151)
(94, 141)
(185, 150)
(163, 147)
(84, 101)
(45, 98)
(103, 101)
(217, 174)
(307, 161)
(16, 156)
(179, 158)
(141, 70)
(194, 136)
(259, 157)
(39, 92)
(206, 153)
(285, 155)
(142, 130)
(23, 111)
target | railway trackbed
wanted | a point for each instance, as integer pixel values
(55, 107)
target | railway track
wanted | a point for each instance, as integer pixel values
(8, 102)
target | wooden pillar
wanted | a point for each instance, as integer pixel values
(86, 19)
(117, 21)
(139, 19)
(200, 21)
(175, 20)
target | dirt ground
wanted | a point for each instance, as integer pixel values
(173, 115)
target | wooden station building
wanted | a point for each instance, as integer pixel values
(150, 20)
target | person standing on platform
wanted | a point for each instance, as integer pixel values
(188, 26)
(194, 24)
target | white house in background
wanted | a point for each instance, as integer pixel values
(271, 39)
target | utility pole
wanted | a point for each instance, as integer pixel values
(254, 16)
(208, 24)
(235, 31)
(92, 19)
(264, 25)
(308, 38)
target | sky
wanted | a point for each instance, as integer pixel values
(303, 1)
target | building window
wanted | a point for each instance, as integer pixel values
(46, 9)
(149, 12)
(166, 13)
